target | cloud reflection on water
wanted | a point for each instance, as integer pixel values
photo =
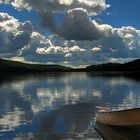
(60, 105)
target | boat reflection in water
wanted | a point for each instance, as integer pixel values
(119, 125)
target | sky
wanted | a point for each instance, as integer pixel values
(70, 32)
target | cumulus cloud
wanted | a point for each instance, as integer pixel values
(47, 10)
(8, 23)
(13, 34)
(97, 49)
(43, 49)
(59, 50)
(79, 40)
(55, 49)
(130, 36)
(78, 26)
(93, 7)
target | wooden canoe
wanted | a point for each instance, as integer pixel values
(119, 118)
(118, 132)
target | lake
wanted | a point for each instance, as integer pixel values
(61, 106)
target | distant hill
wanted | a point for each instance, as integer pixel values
(14, 66)
(130, 66)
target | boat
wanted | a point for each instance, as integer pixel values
(119, 125)
(108, 132)
(119, 118)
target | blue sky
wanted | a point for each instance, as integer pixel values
(22, 15)
(121, 13)
(62, 32)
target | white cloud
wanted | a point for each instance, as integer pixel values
(47, 9)
(93, 7)
(13, 34)
(76, 49)
(8, 23)
(97, 42)
(50, 50)
(58, 50)
(113, 44)
(78, 26)
(96, 49)
(43, 49)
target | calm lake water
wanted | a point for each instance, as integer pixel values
(60, 106)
